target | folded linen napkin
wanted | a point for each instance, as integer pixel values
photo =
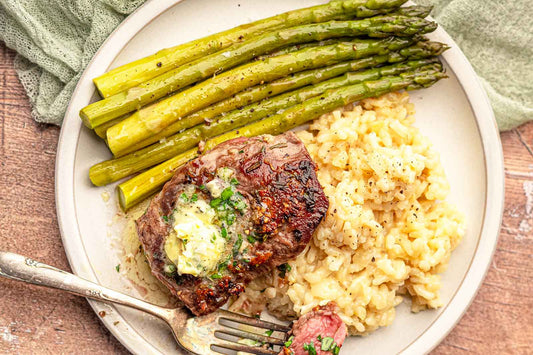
(56, 39)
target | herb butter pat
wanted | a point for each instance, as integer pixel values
(195, 245)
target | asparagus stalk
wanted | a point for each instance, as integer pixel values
(153, 119)
(116, 169)
(257, 93)
(143, 185)
(121, 103)
(411, 11)
(139, 71)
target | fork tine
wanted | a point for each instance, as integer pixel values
(239, 318)
(240, 347)
(253, 336)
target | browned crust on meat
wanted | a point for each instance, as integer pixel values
(286, 203)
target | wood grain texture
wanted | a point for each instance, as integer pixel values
(40, 321)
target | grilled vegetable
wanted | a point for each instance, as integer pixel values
(149, 91)
(147, 183)
(153, 119)
(116, 169)
(139, 71)
(257, 93)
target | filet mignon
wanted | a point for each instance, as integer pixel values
(267, 202)
(321, 329)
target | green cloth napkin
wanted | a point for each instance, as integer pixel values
(497, 38)
(56, 39)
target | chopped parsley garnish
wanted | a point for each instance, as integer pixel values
(223, 266)
(328, 343)
(184, 197)
(227, 204)
(234, 182)
(289, 341)
(213, 237)
(202, 187)
(284, 269)
(215, 202)
(117, 267)
(227, 193)
(165, 218)
(250, 238)
(237, 245)
(310, 348)
(224, 232)
(269, 332)
(170, 270)
(194, 197)
(216, 276)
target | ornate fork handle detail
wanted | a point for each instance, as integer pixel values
(20, 268)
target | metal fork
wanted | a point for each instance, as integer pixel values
(213, 333)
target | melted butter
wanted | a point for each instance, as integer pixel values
(195, 245)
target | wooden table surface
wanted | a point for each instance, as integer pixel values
(41, 321)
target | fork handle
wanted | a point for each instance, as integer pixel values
(20, 268)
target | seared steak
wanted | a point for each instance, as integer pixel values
(321, 329)
(267, 202)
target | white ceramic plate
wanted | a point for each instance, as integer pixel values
(454, 113)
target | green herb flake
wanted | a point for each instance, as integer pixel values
(289, 341)
(202, 187)
(227, 193)
(319, 337)
(251, 239)
(234, 182)
(194, 197)
(241, 151)
(184, 197)
(184, 241)
(216, 276)
(328, 343)
(215, 202)
(310, 348)
(117, 267)
(224, 232)
(165, 218)
(237, 245)
(240, 205)
(269, 332)
(284, 269)
(336, 350)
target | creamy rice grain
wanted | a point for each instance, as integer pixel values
(388, 231)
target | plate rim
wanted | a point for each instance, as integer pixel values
(487, 128)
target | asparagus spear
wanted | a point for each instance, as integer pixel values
(153, 119)
(112, 170)
(411, 11)
(139, 71)
(143, 185)
(121, 103)
(257, 93)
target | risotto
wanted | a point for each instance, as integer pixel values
(388, 231)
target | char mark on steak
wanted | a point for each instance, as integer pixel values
(276, 203)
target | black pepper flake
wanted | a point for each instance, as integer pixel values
(159, 64)
(252, 110)
(373, 259)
